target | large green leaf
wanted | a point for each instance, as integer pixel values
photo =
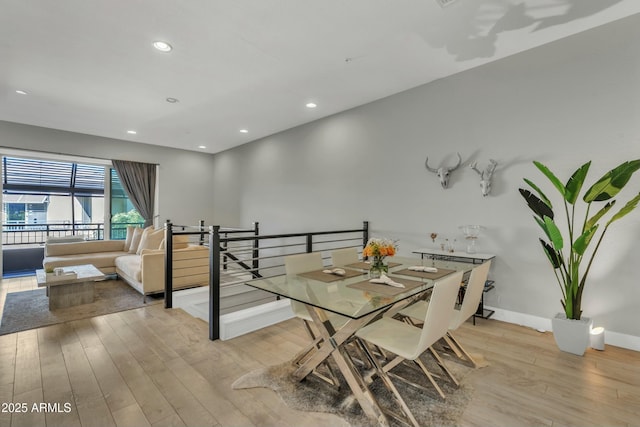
(631, 205)
(582, 243)
(574, 184)
(594, 219)
(554, 180)
(612, 182)
(552, 254)
(543, 226)
(554, 233)
(540, 193)
(539, 207)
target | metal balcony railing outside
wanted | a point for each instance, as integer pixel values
(37, 234)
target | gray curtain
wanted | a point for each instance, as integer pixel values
(139, 182)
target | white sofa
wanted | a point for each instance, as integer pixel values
(141, 264)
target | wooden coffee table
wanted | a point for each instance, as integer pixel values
(68, 290)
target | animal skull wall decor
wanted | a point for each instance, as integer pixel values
(485, 176)
(443, 172)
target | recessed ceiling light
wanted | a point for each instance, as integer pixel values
(162, 46)
(311, 105)
(244, 131)
(21, 92)
(132, 132)
(172, 100)
(202, 147)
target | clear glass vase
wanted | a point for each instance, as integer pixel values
(378, 267)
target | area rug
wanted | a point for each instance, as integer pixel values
(30, 309)
(315, 395)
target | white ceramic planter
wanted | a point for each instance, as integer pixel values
(571, 335)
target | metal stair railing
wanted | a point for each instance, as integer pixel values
(271, 255)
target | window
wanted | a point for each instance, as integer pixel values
(43, 198)
(123, 213)
(14, 213)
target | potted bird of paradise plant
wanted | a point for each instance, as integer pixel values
(568, 246)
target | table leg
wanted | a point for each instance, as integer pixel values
(359, 387)
(329, 344)
(302, 354)
(332, 345)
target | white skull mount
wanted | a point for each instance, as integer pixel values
(485, 176)
(443, 172)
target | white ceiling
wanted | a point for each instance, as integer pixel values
(88, 65)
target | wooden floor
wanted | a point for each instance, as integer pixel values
(156, 367)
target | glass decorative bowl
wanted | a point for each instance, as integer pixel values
(471, 233)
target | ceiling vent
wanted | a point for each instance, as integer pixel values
(445, 3)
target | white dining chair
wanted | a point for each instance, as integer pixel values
(470, 302)
(408, 343)
(344, 256)
(302, 263)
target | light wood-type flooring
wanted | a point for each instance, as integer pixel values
(152, 366)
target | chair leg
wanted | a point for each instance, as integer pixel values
(392, 364)
(443, 366)
(361, 354)
(389, 384)
(466, 357)
(451, 345)
(430, 377)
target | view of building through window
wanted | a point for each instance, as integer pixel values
(43, 199)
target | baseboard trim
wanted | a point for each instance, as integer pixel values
(195, 302)
(617, 339)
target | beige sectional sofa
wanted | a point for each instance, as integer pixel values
(141, 264)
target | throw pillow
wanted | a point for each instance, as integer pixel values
(127, 240)
(151, 239)
(135, 240)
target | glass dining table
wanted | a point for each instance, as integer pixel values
(341, 302)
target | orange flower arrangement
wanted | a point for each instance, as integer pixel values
(379, 249)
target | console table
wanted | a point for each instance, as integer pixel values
(474, 258)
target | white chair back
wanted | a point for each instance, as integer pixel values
(472, 296)
(440, 312)
(342, 257)
(301, 263)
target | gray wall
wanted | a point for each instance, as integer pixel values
(185, 177)
(563, 104)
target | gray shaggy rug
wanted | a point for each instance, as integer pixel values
(30, 309)
(315, 395)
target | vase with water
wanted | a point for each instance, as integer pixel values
(378, 267)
